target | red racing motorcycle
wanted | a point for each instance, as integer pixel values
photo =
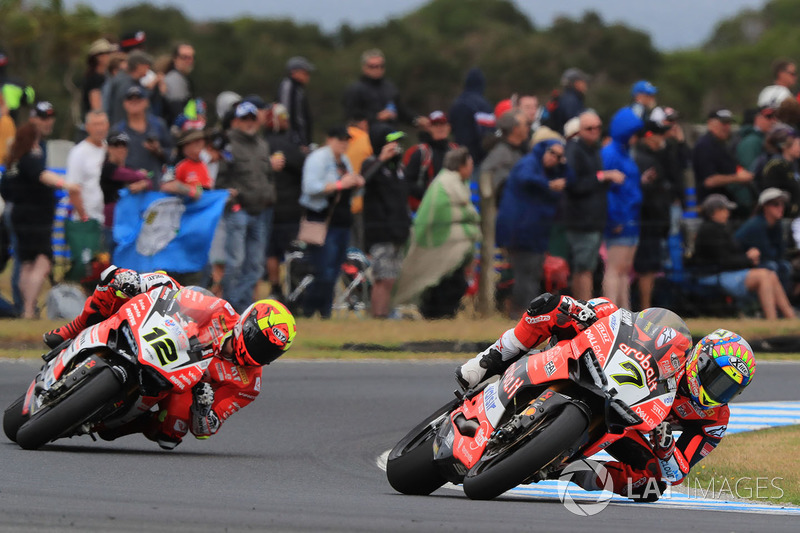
(111, 373)
(617, 378)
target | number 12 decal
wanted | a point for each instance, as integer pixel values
(165, 349)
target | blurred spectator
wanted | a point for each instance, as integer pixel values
(375, 96)
(115, 176)
(97, 61)
(358, 147)
(224, 104)
(422, 162)
(527, 210)
(14, 91)
(586, 205)
(659, 191)
(248, 217)
(386, 218)
(529, 105)
(764, 232)
(178, 87)
(510, 146)
(138, 65)
(446, 228)
(570, 101)
(84, 164)
(751, 137)
(263, 109)
(190, 177)
(624, 207)
(27, 187)
(780, 171)
(150, 142)
(193, 117)
(644, 98)
(292, 94)
(715, 168)
(7, 129)
(471, 115)
(328, 182)
(677, 155)
(721, 263)
(784, 75)
(288, 186)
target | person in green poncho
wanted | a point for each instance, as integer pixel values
(442, 243)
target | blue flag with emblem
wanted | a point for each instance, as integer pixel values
(158, 231)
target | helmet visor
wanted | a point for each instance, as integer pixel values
(717, 384)
(259, 348)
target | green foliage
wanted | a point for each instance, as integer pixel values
(428, 53)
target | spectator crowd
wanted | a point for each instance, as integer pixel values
(615, 198)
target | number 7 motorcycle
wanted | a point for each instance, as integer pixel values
(111, 373)
(616, 379)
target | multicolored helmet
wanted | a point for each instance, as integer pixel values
(263, 333)
(720, 366)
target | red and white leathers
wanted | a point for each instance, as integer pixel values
(234, 386)
(638, 469)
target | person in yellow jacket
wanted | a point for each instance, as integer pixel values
(14, 92)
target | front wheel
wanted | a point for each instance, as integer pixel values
(73, 410)
(410, 467)
(13, 418)
(499, 472)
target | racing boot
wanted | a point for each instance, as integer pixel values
(68, 331)
(487, 363)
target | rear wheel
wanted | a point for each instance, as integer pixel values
(410, 468)
(13, 418)
(73, 410)
(503, 469)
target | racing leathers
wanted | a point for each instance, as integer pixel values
(226, 386)
(644, 467)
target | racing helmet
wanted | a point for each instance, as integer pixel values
(263, 333)
(719, 368)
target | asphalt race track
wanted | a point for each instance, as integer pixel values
(303, 458)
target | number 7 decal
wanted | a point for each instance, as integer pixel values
(634, 378)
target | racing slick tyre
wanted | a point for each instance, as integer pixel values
(410, 467)
(506, 467)
(74, 409)
(13, 418)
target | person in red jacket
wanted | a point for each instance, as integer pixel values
(718, 368)
(241, 345)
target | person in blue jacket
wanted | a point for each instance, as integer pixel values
(624, 205)
(529, 204)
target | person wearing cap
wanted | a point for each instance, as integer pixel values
(377, 97)
(15, 92)
(715, 168)
(249, 175)
(720, 262)
(780, 171)
(784, 76)
(764, 231)
(386, 218)
(328, 184)
(178, 87)
(115, 176)
(570, 100)
(423, 162)
(138, 65)
(660, 190)
(97, 59)
(643, 94)
(471, 116)
(190, 177)
(292, 94)
(751, 136)
(150, 143)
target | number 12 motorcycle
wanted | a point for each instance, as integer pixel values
(112, 372)
(548, 409)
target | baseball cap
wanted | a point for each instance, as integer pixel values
(299, 63)
(438, 117)
(132, 40)
(653, 127)
(772, 193)
(339, 132)
(643, 87)
(134, 92)
(43, 109)
(118, 138)
(716, 201)
(256, 101)
(723, 115)
(246, 109)
(502, 107)
(767, 111)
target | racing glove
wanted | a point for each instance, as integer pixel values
(124, 283)
(663, 441)
(204, 421)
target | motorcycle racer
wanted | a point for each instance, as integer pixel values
(240, 344)
(717, 369)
